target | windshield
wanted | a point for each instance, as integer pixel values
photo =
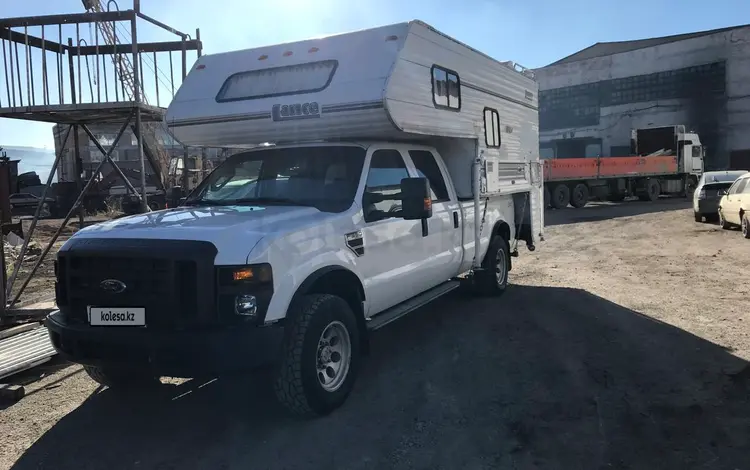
(325, 177)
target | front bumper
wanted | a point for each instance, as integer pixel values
(175, 353)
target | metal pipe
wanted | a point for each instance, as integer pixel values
(136, 91)
(171, 73)
(12, 75)
(116, 64)
(142, 85)
(79, 169)
(477, 179)
(78, 58)
(71, 70)
(98, 80)
(69, 215)
(156, 79)
(200, 45)
(5, 67)
(184, 60)
(28, 72)
(160, 24)
(110, 159)
(45, 85)
(60, 80)
(37, 212)
(18, 74)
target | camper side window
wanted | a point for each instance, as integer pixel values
(491, 127)
(446, 89)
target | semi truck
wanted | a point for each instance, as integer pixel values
(397, 164)
(665, 160)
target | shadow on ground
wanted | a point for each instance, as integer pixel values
(542, 378)
(596, 211)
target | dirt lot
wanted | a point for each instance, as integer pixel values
(622, 344)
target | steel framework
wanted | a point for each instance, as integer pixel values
(114, 96)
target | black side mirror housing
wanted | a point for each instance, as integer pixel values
(416, 201)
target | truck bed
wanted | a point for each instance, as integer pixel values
(565, 169)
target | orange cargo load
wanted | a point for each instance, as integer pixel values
(607, 167)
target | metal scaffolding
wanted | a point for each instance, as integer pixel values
(110, 88)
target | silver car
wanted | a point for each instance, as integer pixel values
(711, 187)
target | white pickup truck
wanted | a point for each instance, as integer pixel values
(290, 254)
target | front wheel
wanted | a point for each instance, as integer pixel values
(493, 278)
(745, 226)
(320, 357)
(698, 217)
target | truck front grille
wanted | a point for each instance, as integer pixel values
(174, 286)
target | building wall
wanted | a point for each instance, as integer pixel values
(700, 82)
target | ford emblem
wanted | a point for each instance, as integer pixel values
(113, 286)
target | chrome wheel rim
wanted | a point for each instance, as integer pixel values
(333, 356)
(501, 268)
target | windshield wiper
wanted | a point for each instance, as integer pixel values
(204, 202)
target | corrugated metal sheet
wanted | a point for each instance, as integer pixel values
(25, 350)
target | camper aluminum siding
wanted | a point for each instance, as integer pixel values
(350, 105)
(381, 87)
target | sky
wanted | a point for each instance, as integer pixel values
(531, 33)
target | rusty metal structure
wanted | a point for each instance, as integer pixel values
(50, 73)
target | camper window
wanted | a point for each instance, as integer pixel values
(446, 88)
(278, 81)
(491, 127)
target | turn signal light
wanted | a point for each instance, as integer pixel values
(427, 204)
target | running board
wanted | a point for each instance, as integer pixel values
(394, 313)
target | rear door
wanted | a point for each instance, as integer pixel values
(441, 243)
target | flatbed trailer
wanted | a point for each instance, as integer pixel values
(576, 180)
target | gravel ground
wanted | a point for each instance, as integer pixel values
(622, 344)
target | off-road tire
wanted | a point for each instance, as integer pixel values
(560, 196)
(121, 379)
(487, 281)
(579, 195)
(296, 382)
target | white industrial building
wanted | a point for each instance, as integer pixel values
(590, 100)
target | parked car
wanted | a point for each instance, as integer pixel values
(26, 203)
(735, 204)
(711, 187)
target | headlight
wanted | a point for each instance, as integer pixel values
(244, 292)
(702, 194)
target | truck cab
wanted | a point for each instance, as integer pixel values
(291, 253)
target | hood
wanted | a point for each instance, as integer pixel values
(221, 225)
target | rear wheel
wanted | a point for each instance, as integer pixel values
(320, 356)
(560, 196)
(580, 195)
(121, 378)
(652, 191)
(745, 226)
(722, 221)
(492, 280)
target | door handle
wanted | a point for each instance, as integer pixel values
(455, 219)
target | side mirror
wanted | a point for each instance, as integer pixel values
(416, 201)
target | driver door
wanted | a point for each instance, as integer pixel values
(391, 244)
